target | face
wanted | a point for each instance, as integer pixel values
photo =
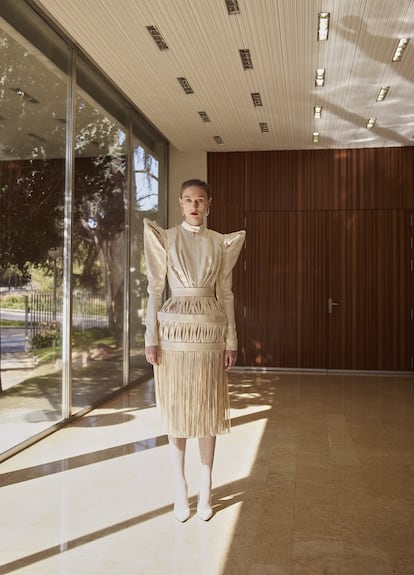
(194, 203)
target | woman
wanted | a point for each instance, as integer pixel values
(191, 340)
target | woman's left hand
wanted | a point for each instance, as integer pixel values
(230, 357)
(152, 354)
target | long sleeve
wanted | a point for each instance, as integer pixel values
(156, 264)
(232, 244)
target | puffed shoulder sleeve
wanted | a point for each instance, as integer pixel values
(156, 266)
(232, 245)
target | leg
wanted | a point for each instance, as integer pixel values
(177, 450)
(207, 447)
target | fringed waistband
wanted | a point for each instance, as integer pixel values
(193, 292)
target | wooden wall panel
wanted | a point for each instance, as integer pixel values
(286, 290)
(375, 178)
(358, 200)
(227, 181)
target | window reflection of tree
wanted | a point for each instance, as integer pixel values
(32, 211)
(146, 182)
(31, 208)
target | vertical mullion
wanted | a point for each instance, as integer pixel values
(67, 243)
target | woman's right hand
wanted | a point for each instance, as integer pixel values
(152, 354)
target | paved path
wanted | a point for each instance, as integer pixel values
(12, 340)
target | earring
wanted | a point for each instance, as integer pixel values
(208, 211)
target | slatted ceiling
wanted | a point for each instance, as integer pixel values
(203, 47)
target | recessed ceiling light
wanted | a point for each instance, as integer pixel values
(320, 77)
(264, 127)
(315, 137)
(36, 137)
(400, 49)
(317, 112)
(246, 59)
(257, 99)
(185, 85)
(204, 116)
(382, 94)
(323, 25)
(371, 123)
(218, 140)
(24, 95)
(157, 37)
(232, 7)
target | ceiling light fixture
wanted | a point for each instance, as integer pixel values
(157, 37)
(371, 123)
(315, 137)
(320, 77)
(185, 85)
(382, 94)
(264, 127)
(232, 7)
(317, 112)
(400, 49)
(323, 25)
(24, 95)
(246, 59)
(218, 140)
(204, 116)
(36, 137)
(257, 99)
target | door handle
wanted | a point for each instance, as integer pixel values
(331, 303)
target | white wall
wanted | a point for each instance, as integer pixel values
(182, 166)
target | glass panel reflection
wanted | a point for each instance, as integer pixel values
(98, 253)
(32, 178)
(145, 203)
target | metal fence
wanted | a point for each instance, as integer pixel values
(46, 309)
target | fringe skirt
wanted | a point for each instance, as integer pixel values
(190, 380)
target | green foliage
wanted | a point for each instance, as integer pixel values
(11, 323)
(85, 339)
(42, 276)
(13, 301)
(47, 336)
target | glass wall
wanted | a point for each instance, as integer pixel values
(79, 169)
(148, 200)
(33, 89)
(98, 255)
(145, 203)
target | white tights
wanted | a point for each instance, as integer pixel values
(206, 447)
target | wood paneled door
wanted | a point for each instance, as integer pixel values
(369, 316)
(328, 290)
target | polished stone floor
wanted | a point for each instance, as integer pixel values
(316, 478)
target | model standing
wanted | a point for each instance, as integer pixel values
(191, 339)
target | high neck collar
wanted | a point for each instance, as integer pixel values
(191, 228)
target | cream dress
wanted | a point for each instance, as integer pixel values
(194, 326)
